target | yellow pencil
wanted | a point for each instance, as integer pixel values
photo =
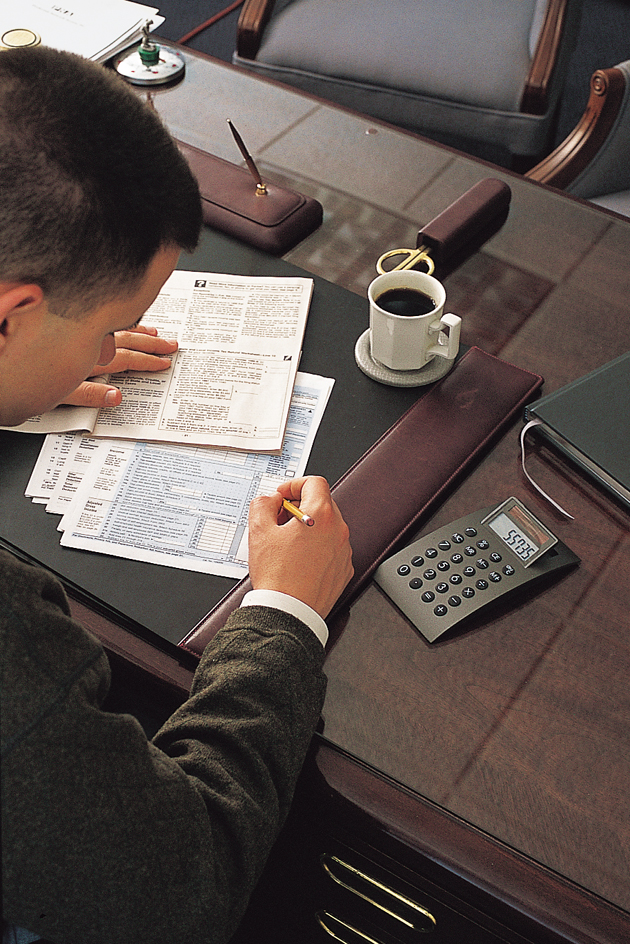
(300, 515)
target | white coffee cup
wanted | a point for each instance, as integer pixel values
(404, 341)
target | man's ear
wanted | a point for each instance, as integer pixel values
(16, 300)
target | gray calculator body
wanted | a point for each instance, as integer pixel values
(450, 574)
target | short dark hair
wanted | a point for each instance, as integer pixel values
(92, 185)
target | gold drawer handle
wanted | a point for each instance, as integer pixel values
(321, 915)
(419, 920)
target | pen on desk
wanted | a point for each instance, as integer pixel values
(300, 515)
(261, 188)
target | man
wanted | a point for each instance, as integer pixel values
(108, 838)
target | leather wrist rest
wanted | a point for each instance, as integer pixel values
(466, 224)
(274, 223)
(385, 494)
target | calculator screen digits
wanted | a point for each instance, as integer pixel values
(520, 531)
(522, 546)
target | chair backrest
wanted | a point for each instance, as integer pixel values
(593, 160)
(552, 28)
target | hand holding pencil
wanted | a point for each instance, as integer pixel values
(312, 563)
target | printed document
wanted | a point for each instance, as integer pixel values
(231, 381)
(179, 506)
(95, 29)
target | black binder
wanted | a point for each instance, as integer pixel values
(589, 421)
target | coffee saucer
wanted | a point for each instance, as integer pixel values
(434, 370)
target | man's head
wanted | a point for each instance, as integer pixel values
(91, 184)
(95, 204)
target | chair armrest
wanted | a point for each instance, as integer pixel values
(575, 153)
(251, 23)
(535, 98)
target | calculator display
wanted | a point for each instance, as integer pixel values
(514, 537)
(520, 531)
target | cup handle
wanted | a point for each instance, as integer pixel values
(453, 324)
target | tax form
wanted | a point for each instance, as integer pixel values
(178, 506)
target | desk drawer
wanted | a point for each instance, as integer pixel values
(318, 889)
(360, 899)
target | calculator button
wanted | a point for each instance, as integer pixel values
(454, 600)
(415, 583)
(443, 565)
(403, 570)
(468, 593)
(444, 545)
(417, 561)
(430, 574)
(483, 545)
(431, 552)
(508, 570)
(470, 551)
(470, 532)
(482, 564)
(440, 610)
(441, 587)
(482, 585)
(456, 578)
(495, 557)
(428, 596)
(469, 571)
(457, 538)
(456, 558)
(495, 577)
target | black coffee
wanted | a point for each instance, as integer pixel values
(405, 301)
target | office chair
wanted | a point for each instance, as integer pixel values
(452, 70)
(593, 161)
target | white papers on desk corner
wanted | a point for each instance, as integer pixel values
(179, 506)
(95, 29)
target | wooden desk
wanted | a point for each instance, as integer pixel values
(516, 731)
(490, 772)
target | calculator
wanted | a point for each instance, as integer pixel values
(450, 574)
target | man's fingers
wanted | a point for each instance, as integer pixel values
(133, 360)
(93, 394)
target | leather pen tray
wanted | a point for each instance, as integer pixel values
(386, 493)
(465, 225)
(274, 222)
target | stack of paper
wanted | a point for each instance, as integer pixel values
(168, 475)
(179, 506)
(95, 29)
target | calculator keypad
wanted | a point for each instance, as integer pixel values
(460, 574)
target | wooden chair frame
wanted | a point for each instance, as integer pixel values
(575, 153)
(256, 14)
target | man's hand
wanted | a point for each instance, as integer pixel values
(312, 564)
(139, 348)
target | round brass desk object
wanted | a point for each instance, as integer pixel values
(17, 38)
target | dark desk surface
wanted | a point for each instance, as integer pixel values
(520, 727)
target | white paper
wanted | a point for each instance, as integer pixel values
(178, 506)
(95, 29)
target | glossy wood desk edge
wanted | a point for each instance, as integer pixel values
(474, 866)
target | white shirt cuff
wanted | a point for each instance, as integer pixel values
(282, 601)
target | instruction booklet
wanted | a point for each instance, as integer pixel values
(231, 381)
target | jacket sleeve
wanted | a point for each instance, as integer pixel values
(110, 838)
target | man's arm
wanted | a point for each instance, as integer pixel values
(113, 839)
